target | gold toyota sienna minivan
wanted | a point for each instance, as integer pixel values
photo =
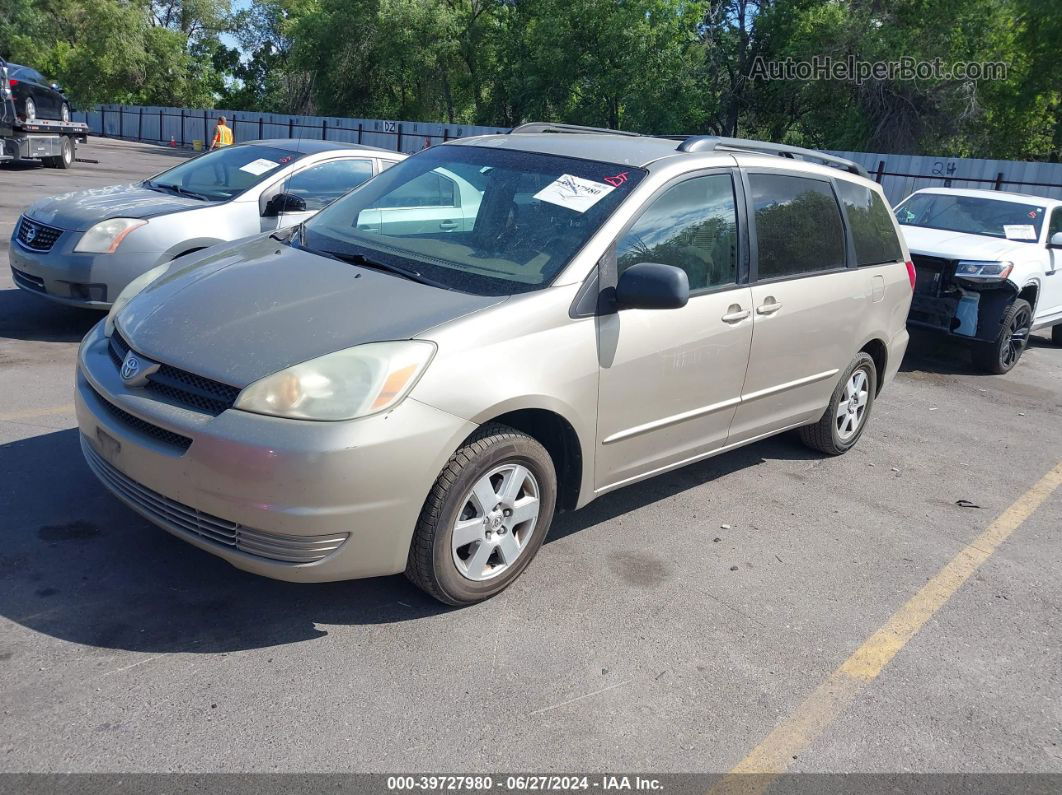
(492, 330)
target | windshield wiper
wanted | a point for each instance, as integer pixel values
(178, 190)
(367, 262)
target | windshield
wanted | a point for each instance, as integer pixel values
(225, 172)
(479, 220)
(972, 215)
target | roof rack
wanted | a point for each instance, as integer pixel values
(710, 143)
(547, 127)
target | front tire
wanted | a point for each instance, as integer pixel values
(1000, 356)
(1056, 334)
(843, 422)
(64, 113)
(29, 109)
(485, 517)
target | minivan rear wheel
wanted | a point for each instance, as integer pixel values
(485, 517)
(843, 422)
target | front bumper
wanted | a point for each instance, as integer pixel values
(251, 488)
(69, 277)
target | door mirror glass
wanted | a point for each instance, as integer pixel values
(651, 285)
(284, 203)
(1055, 241)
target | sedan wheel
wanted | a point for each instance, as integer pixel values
(64, 113)
(30, 109)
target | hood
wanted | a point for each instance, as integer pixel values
(959, 245)
(247, 310)
(81, 209)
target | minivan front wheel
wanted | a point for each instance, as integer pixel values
(485, 517)
(843, 422)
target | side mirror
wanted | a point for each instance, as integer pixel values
(1055, 241)
(650, 285)
(284, 203)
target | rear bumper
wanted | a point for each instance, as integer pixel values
(251, 488)
(897, 349)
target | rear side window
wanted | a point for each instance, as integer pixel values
(428, 190)
(692, 226)
(798, 225)
(873, 233)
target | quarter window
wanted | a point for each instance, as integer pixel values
(798, 225)
(692, 226)
(873, 233)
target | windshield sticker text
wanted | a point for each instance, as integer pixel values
(260, 166)
(1019, 231)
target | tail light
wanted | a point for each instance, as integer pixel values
(911, 272)
(12, 83)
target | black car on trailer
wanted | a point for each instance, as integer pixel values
(53, 142)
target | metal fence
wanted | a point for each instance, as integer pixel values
(899, 175)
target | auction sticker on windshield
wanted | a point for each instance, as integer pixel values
(574, 193)
(259, 166)
(1019, 231)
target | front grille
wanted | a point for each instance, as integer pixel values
(221, 532)
(170, 438)
(184, 388)
(931, 274)
(37, 236)
(28, 280)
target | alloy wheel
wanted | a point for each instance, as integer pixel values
(852, 408)
(496, 522)
(1017, 338)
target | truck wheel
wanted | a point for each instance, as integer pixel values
(66, 158)
(843, 422)
(1000, 356)
(485, 518)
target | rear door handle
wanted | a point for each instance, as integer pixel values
(768, 307)
(735, 314)
(447, 226)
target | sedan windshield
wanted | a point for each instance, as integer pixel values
(479, 220)
(972, 215)
(223, 173)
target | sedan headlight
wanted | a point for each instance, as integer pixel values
(343, 385)
(131, 291)
(106, 236)
(983, 270)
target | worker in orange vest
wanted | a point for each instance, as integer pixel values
(222, 135)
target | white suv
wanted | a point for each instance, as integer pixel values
(989, 268)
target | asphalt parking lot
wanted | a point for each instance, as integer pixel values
(669, 627)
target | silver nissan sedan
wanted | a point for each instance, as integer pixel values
(418, 377)
(82, 248)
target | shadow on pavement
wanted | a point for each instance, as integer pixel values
(24, 316)
(78, 565)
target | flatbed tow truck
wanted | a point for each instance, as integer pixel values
(52, 142)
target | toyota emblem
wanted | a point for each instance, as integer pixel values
(130, 367)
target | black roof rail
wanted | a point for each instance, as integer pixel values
(710, 143)
(548, 127)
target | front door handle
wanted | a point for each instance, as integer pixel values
(768, 307)
(735, 314)
(448, 226)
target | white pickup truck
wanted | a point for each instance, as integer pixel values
(988, 268)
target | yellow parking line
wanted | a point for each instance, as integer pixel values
(773, 756)
(38, 412)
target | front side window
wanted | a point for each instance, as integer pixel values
(1056, 223)
(972, 215)
(692, 226)
(798, 225)
(322, 184)
(873, 233)
(483, 220)
(223, 173)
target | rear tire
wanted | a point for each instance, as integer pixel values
(1002, 355)
(843, 422)
(64, 160)
(497, 493)
(64, 112)
(29, 109)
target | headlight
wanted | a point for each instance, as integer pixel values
(983, 270)
(131, 291)
(343, 385)
(106, 236)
